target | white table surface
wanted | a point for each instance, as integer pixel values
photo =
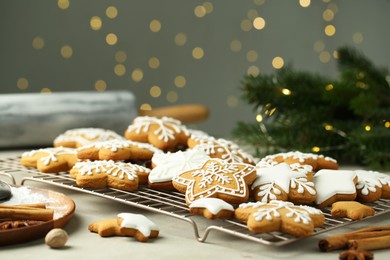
(176, 239)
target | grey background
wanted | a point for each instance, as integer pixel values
(291, 32)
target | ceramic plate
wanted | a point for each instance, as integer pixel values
(63, 208)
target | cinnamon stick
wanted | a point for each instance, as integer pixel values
(341, 241)
(25, 213)
(34, 205)
(372, 243)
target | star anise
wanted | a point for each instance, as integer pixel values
(356, 254)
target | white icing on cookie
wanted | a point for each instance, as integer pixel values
(168, 165)
(369, 181)
(85, 136)
(138, 222)
(300, 156)
(52, 153)
(115, 144)
(214, 205)
(331, 182)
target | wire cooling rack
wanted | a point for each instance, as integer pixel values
(173, 204)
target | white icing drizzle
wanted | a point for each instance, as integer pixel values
(166, 131)
(169, 165)
(138, 222)
(331, 182)
(214, 205)
(216, 174)
(269, 211)
(110, 167)
(300, 156)
(52, 153)
(369, 181)
(115, 145)
(230, 151)
(86, 136)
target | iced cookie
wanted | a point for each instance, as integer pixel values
(78, 137)
(216, 179)
(334, 185)
(220, 148)
(50, 160)
(317, 161)
(164, 133)
(283, 182)
(168, 165)
(118, 150)
(212, 208)
(372, 186)
(99, 174)
(351, 209)
(281, 216)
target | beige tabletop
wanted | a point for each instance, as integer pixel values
(176, 239)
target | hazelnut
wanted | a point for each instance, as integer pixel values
(56, 238)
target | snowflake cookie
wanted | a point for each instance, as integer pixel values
(118, 150)
(317, 161)
(126, 224)
(100, 174)
(212, 208)
(168, 165)
(216, 179)
(280, 216)
(50, 160)
(283, 182)
(220, 148)
(372, 186)
(164, 133)
(78, 137)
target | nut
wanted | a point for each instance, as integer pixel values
(56, 238)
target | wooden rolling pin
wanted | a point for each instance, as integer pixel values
(190, 113)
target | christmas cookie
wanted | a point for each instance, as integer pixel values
(212, 208)
(99, 174)
(280, 216)
(78, 137)
(334, 185)
(220, 148)
(283, 182)
(164, 133)
(351, 209)
(118, 150)
(126, 224)
(372, 186)
(216, 179)
(168, 165)
(317, 161)
(50, 160)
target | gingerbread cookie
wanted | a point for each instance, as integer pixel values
(220, 148)
(126, 224)
(216, 179)
(351, 209)
(280, 216)
(212, 208)
(283, 182)
(168, 165)
(78, 137)
(118, 150)
(334, 185)
(372, 186)
(164, 133)
(50, 160)
(99, 174)
(317, 161)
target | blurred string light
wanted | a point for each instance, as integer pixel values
(111, 12)
(63, 4)
(96, 23)
(253, 71)
(200, 11)
(46, 91)
(154, 63)
(180, 39)
(155, 25)
(197, 53)
(119, 70)
(330, 30)
(22, 83)
(145, 107)
(155, 91)
(172, 96)
(277, 62)
(111, 39)
(251, 56)
(304, 3)
(235, 46)
(180, 81)
(259, 23)
(246, 25)
(100, 85)
(66, 51)
(120, 56)
(38, 43)
(137, 75)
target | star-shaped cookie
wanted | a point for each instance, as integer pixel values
(212, 208)
(216, 179)
(351, 209)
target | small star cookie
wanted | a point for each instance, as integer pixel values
(212, 208)
(164, 133)
(283, 182)
(78, 137)
(50, 160)
(280, 216)
(351, 209)
(334, 185)
(216, 179)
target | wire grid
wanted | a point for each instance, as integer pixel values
(173, 204)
